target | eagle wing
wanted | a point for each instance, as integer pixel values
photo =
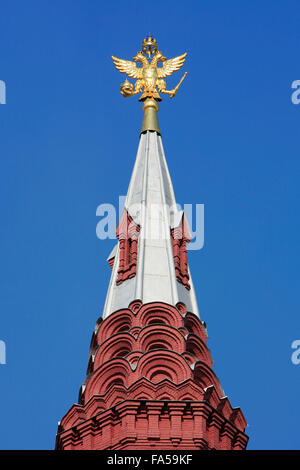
(128, 67)
(171, 65)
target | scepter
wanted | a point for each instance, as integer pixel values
(173, 93)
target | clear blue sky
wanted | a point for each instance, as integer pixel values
(67, 144)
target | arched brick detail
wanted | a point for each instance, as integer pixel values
(165, 396)
(206, 377)
(238, 419)
(195, 346)
(145, 385)
(117, 392)
(212, 396)
(157, 365)
(165, 337)
(141, 389)
(134, 331)
(161, 373)
(112, 372)
(117, 322)
(190, 358)
(181, 307)
(166, 389)
(134, 356)
(135, 305)
(117, 397)
(95, 405)
(183, 331)
(141, 394)
(193, 325)
(114, 347)
(75, 415)
(131, 392)
(187, 396)
(159, 313)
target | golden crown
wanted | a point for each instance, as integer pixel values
(149, 45)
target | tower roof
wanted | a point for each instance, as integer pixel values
(151, 206)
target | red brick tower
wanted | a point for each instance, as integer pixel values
(150, 383)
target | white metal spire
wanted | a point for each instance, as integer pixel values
(151, 204)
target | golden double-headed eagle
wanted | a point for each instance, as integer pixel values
(149, 75)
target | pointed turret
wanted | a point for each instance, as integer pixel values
(150, 383)
(150, 259)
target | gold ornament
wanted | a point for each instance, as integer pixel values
(149, 76)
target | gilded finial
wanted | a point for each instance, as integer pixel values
(149, 77)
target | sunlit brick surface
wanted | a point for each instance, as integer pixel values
(150, 385)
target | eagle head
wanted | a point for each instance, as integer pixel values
(140, 57)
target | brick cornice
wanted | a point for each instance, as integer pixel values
(159, 397)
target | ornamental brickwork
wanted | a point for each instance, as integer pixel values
(180, 238)
(150, 384)
(127, 234)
